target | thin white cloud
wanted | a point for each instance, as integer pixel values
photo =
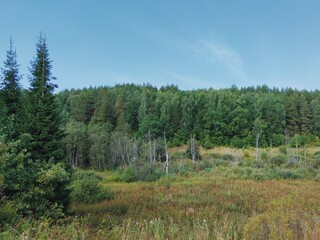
(228, 56)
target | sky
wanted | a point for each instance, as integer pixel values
(189, 43)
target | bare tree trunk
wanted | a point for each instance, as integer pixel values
(150, 147)
(257, 145)
(286, 133)
(193, 149)
(167, 155)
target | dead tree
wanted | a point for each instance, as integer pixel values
(258, 135)
(193, 149)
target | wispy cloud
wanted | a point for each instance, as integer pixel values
(228, 56)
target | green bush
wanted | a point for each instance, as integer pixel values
(86, 188)
(283, 150)
(85, 175)
(37, 188)
(148, 173)
(278, 160)
(205, 164)
(216, 155)
(127, 175)
(8, 213)
(237, 142)
(289, 174)
(264, 156)
(316, 161)
(220, 162)
(227, 157)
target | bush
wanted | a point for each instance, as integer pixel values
(86, 188)
(237, 142)
(264, 156)
(220, 162)
(289, 174)
(206, 164)
(216, 155)
(283, 150)
(278, 160)
(127, 175)
(148, 173)
(37, 188)
(79, 175)
(316, 161)
(227, 157)
(8, 213)
(207, 144)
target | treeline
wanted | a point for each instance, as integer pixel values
(111, 126)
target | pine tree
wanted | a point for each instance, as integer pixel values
(43, 119)
(10, 86)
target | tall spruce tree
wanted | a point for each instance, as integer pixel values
(10, 96)
(10, 86)
(43, 120)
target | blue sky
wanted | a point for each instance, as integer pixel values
(189, 43)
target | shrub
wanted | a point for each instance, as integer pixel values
(283, 150)
(289, 174)
(206, 164)
(220, 162)
(37, 188)
(316, 161)
(237, 142)
(216, 155)
(207, 144)
(127, 175)
(86, 188)
(278, 160)
(148, 173)
(227, 157)
(79, 175)
(8, 213)
(264, 156)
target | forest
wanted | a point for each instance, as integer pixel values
(102, 123)
(140, 162)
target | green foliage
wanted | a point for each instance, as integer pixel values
(148, 173)
(227, 157)
(8, 214)
(283, 150)
(316, 161)
(206, 165)
(11, 89)
(278, 160)
(36, 187)
(289, 174)
(215, 155)
(86, 188)
(43, 121)
(264, 156)
(128, 174)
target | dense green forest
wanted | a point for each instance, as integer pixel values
(108, 126)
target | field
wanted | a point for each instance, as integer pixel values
(215, 203)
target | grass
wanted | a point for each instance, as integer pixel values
(202, 206)
(227, 202)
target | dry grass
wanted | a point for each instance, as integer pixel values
(206, 207)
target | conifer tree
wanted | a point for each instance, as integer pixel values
(10, 100)
(43, 119)
(10, 86)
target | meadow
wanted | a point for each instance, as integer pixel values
(218, 201)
